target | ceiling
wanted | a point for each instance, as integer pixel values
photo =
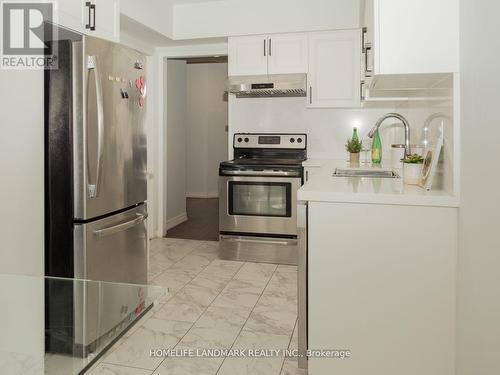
(178, 2)
(149, 36)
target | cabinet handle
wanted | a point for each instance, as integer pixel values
(270, 48)
(364, 41)
(264, 47)
(93, 9)
(310, 95)
(368, 70)
(88, 5)
(362, 92)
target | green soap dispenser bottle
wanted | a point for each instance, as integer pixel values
(376, 149)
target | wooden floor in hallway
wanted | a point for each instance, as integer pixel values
(202, 223)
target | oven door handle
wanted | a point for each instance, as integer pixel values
(284, 242)
(260, 173)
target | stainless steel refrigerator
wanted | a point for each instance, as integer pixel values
(95, 193)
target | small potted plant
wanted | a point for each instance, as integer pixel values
(353, 146)
(412, 169)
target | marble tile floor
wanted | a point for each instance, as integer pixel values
(212, 304)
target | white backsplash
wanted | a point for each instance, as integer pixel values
(327, 129)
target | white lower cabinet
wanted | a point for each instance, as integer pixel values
(382, 284)
(334, 78)
(310, 172)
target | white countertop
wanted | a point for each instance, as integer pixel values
(323, 187)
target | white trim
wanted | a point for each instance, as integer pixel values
(195, 50)
(457, 136)
(162, 148)
(213, 194)
(179, 219)
(161, 54)
(137, 44)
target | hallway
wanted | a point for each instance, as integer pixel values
(202, 223)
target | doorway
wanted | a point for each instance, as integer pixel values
(196, 139)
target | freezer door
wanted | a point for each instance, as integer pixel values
(109, 137)
(112, 249)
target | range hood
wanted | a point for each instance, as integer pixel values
(268, 86)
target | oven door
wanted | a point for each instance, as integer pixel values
(258, 205)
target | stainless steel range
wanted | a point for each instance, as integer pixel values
(258, 197)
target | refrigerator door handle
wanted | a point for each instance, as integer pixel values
(92, 65)
(121, 227)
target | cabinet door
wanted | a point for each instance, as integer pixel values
(70, 14)
(107, 19)
(247, 55)
(368, 39)
(334, 69)
(416, 37)
(310, 172)
(287, 53)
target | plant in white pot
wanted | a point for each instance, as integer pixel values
(412, 169)
(354, 146)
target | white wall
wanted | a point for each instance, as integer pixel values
(417, 112)
(155, 14)
(479, 250)
(243, 17)
(22, 171)
(206, 143)
(175, 82)
(327, 129)
(21, 220)
(22, 324)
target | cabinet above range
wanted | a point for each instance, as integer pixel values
(331, 60)
(408, 51)
(267, 54)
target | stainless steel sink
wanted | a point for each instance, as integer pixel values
(364, 173)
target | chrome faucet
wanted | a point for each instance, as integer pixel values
(427, 123)
(406, 125)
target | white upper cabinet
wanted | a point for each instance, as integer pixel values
(100, 18)
(334, 78)
(413, 37)
(247, 55)
(70, 14)
(287, 53)
(107, 19)
(267, 54)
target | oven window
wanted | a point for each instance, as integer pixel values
(260, 198)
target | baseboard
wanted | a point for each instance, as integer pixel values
(179, 219)
(203, 195)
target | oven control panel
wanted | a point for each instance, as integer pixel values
(285, 141)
